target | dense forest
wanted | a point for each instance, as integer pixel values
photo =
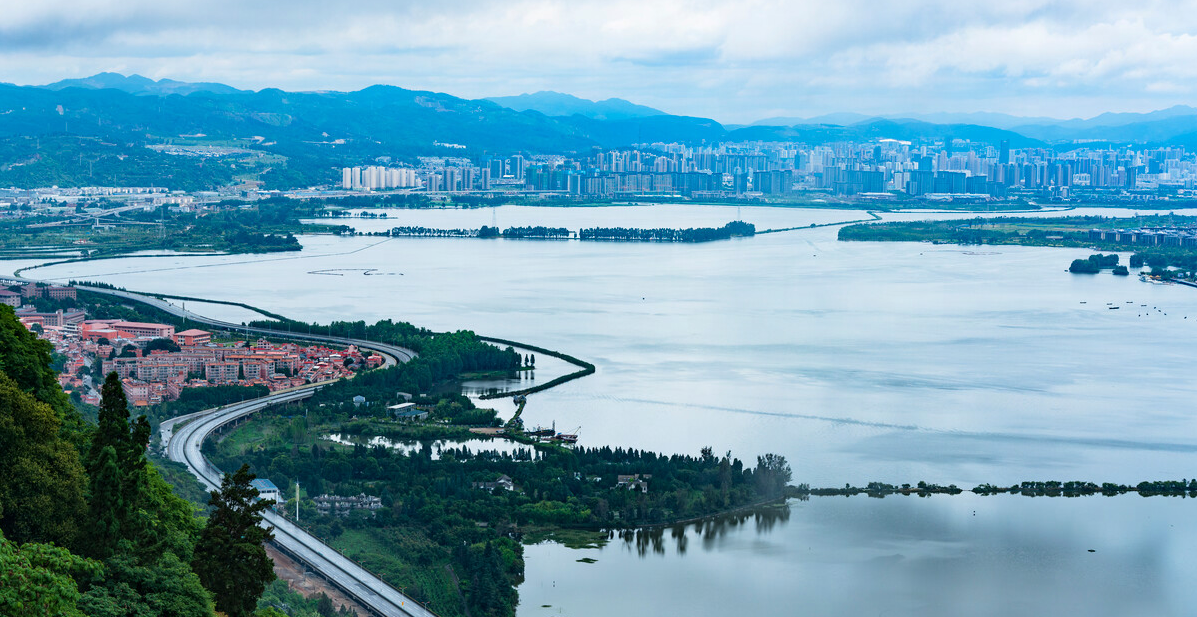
(447, 510)
(87, 524)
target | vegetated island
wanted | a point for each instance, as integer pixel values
(1166, 243)
(625, 234)
(1051, 488)
(1098, 262)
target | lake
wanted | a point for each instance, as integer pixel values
(856, 361)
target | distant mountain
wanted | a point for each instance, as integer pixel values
(97, 129)
(1123, 119)
(841, 119)
(559, 104)
(1038, 127)
(904, 129)
(316, 132)
(136, 84)
(664, 129)
(1160, 129)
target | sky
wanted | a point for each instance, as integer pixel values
(733, 60)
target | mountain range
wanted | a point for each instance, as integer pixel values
(313, 133)
(136, 84)
(558, 104)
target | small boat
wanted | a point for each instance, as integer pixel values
(542, 431)
(1113, 308)
(566, 438)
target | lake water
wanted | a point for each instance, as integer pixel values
(475, 446)
(856, 361)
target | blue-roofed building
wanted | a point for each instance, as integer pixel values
(267, 490)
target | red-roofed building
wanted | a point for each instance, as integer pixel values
(58, 293)
(149, 330)
(193, 337)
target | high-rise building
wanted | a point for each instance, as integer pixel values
(516, 163)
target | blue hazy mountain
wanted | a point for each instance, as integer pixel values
(1039, 127)
(110, 118)
(136, 84)
(559, 104)
(903, 129)
(840, 119)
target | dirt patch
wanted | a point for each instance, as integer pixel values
(308, 583)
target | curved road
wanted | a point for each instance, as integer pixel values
(371, 591)
(182, 444)
(392, 353)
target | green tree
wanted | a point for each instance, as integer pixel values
(105, 505)
(772, 474)
(41, 478)
(116, 466)
(164, 344)
(37, 580)
(165, 588)
(26, 359)
(230, 558)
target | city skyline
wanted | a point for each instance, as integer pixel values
(736, 62)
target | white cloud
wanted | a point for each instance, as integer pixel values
(734, 60)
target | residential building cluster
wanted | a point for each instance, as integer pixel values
(156, 375)
(1148, 236)
(341, 506)
(376, 178)
(161, 374)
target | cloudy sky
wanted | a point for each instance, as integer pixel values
(733, 60)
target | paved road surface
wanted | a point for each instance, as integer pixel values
(182, 444)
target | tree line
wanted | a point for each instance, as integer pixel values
(434, 509)
(1094, 264)
(701, 234)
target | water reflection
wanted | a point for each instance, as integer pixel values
(707, 531)
(440, 448)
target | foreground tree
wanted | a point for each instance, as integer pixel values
(37, 580)
(41, 480)
(116, 467)
(230, 558)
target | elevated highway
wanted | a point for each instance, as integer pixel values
(183, 436)
(184, 446)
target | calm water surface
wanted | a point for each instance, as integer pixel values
(857, 361)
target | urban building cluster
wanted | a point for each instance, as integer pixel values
(152, 374)
(884, 169)
(375, 178)
(1148, 236)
